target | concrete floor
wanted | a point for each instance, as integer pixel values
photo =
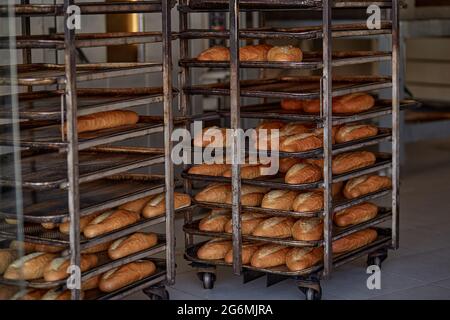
(420, 269)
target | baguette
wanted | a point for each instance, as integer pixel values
(7, 256)
(250, 195)
(48, 248)
(249, 221)
(57, 268)
(360, 186)
(299, 259)
(125, 275)
(213, 137)
(105, 120)
(214, 249)
(91, 283)
(356, 214)
(29, 267)
(350, 161)
(49, 225)
(303, 173)
(351, 103)
(53, 294)
(248, 249)
(285, 53)
(308, 202)
(110, 221)
(275, 227)
(214, 193)
(270, 125)
(27, 247)
(136, 205)
(7, 292)
(29, 294)
(292, 105)
(248, 171)
(351, 132)
(215, 221)
(354, 241)
(215, 170)
(334, 131)
(301, 142)
(254, 52)
(279, 200)
(269, 255)
(294, 128)
(131, 244)
(217, 53)
(308, 229)
(286, 163)
(157, 205)
(336, 188)
(97, 248)
(84, 221)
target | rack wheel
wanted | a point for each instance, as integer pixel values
(157, 293)
(377, 258)
(208, 279)
(313, 295)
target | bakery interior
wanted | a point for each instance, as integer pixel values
(87, 178)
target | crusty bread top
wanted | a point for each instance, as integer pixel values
(21, 261)
(299, 253)
(297, 167)
(247, 189)
(117, 243)
(355, 181)
(252, 216)
(308, 224)
(271, 222)
(156, 200)
(269, 249)
(348, 129)
(57, 263)
(303, 197)
(297, 137)
(275, 194)
(102, 217)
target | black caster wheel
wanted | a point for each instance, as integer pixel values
(376, 259)
(164, 296)
(313, 295)
(208, 280)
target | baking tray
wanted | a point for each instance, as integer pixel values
(51, 137)
(384, 240)
(46, 105)
(311, 61)
(384, 161)
(49, 171)
(300, 33)
(106, 193)
(338, 232)
(43, 74)
(340, 204)
(105, 264)
(301, 88)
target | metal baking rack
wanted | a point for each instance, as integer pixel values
(322, 87)
(79, 182)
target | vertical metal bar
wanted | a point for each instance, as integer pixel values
(26, 31)
(395, 124)
(235, 125)
(72, 139)
(327, 143)
(185, 106)
(168, 128)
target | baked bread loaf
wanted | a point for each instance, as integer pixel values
(91, 283)
(285, 53)
(293, 128)
(301, 142)
(213, 137)
(49, 225)
(47, 248)
(334, 130)
(351, 103)
(354, 241)
(215, 192)
(270, 125)
(215, 249)
(269, 255)
(97, 248)
(125, 275)
(7, 292)
(215, 221)
(346, 162)
(157, 205)
(54, 294)
(249, 221)
(264, 132)
(136, 205)
(29, 294)
(7, 256)
(215, 54)
(57, 268)
(248, 171)
(286, 163)
(250, 195)
(27, 247)
(254, 52)
(29, 267)
(275, 227)
(299, 259)
(356, 214)
(110, 221)
(131, 244)
(292, 105)
(351, 132)
(11, 221)
(303, 173)
(308, 202)
(279, 200)
(360, 186)
(336, 188)
(215, 170)
(248, 249)
(84, 221)
(105, 120)
(308, 229)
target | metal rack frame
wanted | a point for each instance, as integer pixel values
(310, 279)
(68, 75)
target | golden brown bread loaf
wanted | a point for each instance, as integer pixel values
(125, 275)
(269, 255)
(47, 248)
(351, 132)
(248, 171)
(217, 53)
(7, 256)
(97, 248)
(299, 259)
(286, 163)
(214, 249)
(265, 131)
(351, 103)
(275, 227)
(7, 292)
(54, 294)
(215, 170)
(303, 173)
(254, 52)
(136, 205)
(57, 268)
(293, 128)
(301, 142)
(292, 105)
(29, 294)
(215, 221)
(250, 195)
(249, 221)
(354, 241)
(157, 205)
(213, 137)
(334, 130)
(279, 200)
(308, 229)
(285, 53)
(356, 214)
(27, 247)
(346, 162)
(248, 249)
(49, 225)
(84, 221)
(29, 267)
(270, 125)
(110, 221)
(308, 202)
(91, 283)
(360, 186)
(216, 192)
(132, 244)
(106, 120)
(336, 188)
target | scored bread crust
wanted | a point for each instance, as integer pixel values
(360, 186)
(248, 250)
(308, 229)
(248, 171)
(131, 244)
(136, 205)
(213, 137)
(294, 128)
(249, 221)
(216, 53)
(157, 205)
(214, 249)
(116, 220)
(214, 169)
(286, 163)
(298, 259)
(354, 241)
(285, 53)
(308, 202)
(346, 162)
(279, 200)
(215, 221)
(105, 120)
(292, 104)
(84, 221)
(275, 227)
(126, 275)
(354, 132)
(351, 103)
(254, 52)
(269, 255)
(7, 256)
(57, 268)
(214, 193)
(303, 173)
(356, 214)
(300, 142)
(29, 267)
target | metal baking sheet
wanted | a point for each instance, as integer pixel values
(49, 171)
(106, 193)
(43, 74)
(307, 87)
(311, 61)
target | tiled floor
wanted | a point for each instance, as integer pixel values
(420, 269)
